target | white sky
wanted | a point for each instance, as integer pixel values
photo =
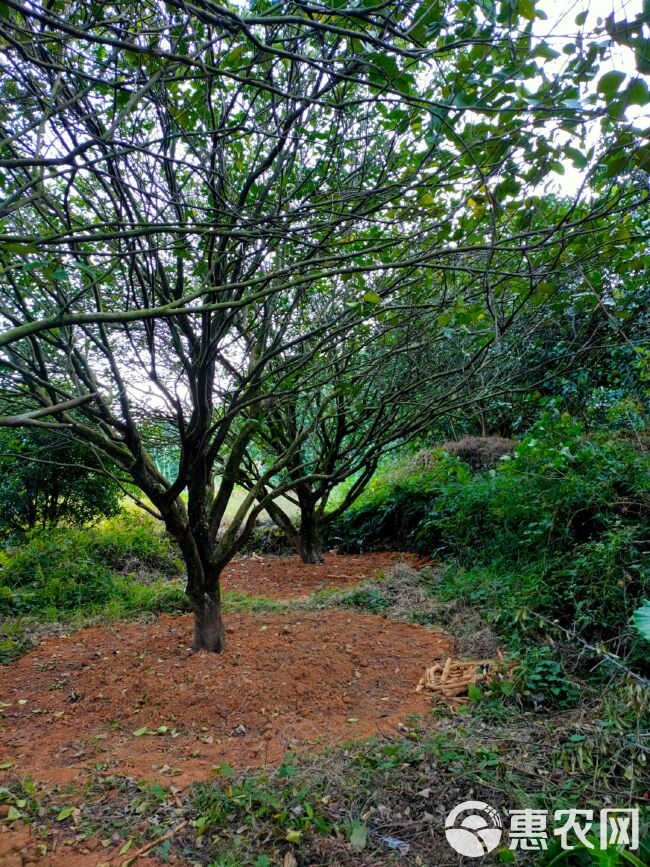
(561, 24)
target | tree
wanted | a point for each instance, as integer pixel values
(197, 201)
(46, 480)
(383, 385)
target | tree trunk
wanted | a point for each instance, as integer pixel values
(204, 593)
(307, 540)
(310, 545)
(209, 632)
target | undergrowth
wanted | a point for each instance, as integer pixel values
(364, 803)
(123, 567)
(561, 529)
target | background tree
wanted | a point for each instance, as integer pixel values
(384, 384)
(46, 480)
(196, 201)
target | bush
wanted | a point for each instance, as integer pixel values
(390, 512)
(63, 570)
(561, 529)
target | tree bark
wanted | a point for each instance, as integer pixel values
(209, 632)
(204, 593)
(310, 543)
(308, 538)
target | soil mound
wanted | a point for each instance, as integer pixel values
(130, 699)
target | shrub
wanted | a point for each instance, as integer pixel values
(390, 512)
(63, 570)
(561, 528)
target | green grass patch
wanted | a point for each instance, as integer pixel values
(66, 578)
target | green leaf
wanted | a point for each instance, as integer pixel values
(637, 93)
(581, 18)
(428, 12)
(642, 158)
(14, 247)
(641, 620)
(474, 692)
(358, 835)
(578, 159)
(526, 9)
(233, 57)
(387, 64)
(65, 813)
(545, 51)
(139, 732)
(609, 83)
(371, 298)
(13, 814)
(642, 54)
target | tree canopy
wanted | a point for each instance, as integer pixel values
(204, 204)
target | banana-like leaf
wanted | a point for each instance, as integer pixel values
(641, 619)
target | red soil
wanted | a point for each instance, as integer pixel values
(70, 707)
(289, 577)
(311, 678)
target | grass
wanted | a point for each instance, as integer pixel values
(66, 578)
(348, 805)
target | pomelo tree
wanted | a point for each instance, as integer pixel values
(200, 201)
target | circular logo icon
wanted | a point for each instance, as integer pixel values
(477, 833)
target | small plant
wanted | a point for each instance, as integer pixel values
(541, 680)
(370, 599)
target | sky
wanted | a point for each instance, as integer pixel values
(561, 23)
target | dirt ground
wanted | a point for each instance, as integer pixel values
(310, 679)
(290, 578)
(131, 700)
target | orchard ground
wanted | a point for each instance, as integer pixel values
(117, 740)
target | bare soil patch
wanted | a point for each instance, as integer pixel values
(71, 706)
(288, 577)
